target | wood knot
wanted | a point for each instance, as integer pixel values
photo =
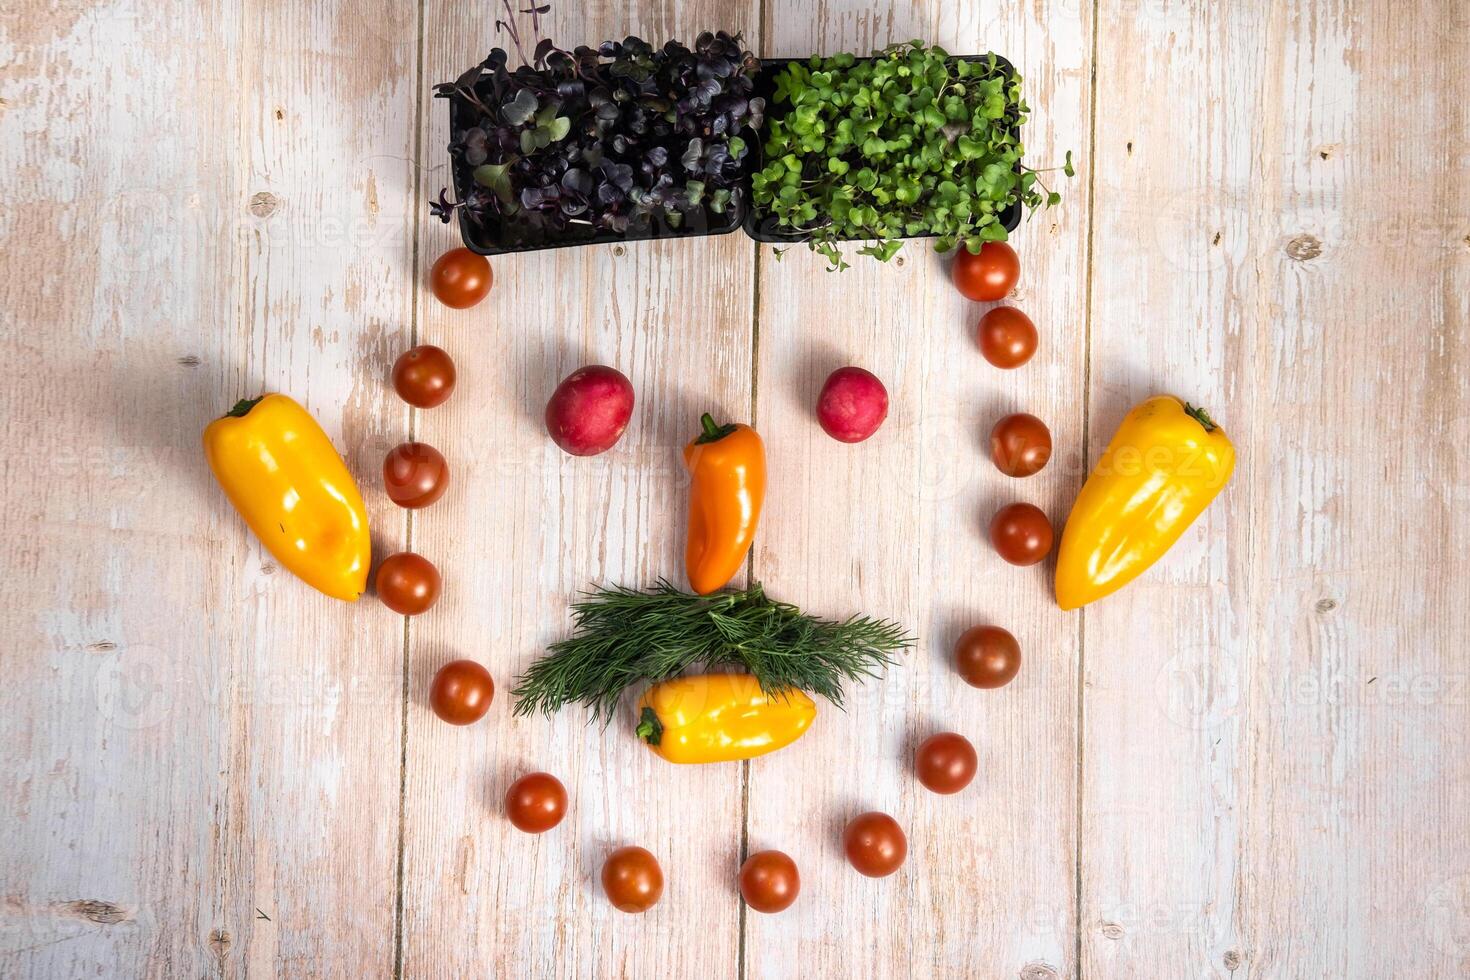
(1038, 971)
(1304, 247)
(190, 360)
(1112, 930)
(267, 568)
(94, 910)
(1130, 148)
(1326, 605)
(1232, 960)
(220, 941)
(263, 204)
(1328, 150)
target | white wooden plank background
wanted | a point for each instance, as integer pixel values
(1251, 764)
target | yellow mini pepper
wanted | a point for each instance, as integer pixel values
(280, 471)
(720, 718)
(727, 485)
(1165, 464)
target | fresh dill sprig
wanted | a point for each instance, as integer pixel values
(626, 636)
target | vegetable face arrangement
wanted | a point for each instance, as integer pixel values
(909, 142)
(625, 138)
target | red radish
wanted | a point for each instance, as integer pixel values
(589, 410)
(852, 405)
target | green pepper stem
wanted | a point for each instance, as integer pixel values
(243, 407)
(650, 729)
(1200, 416)
(712, 432)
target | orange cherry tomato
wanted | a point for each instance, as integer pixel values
(769, 881)
(945, 763)
(408, 583)
(987, 657)
(423, 376)
(1021, 534)
(875, 844)
(632, 879)
(460, 278)
(536, 802)
(461, 692)
(1007, 337)
(987, 275)
(1020, 444)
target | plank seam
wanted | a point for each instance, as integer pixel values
(413, 334)
(1086, 446)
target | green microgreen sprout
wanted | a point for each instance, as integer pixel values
(910, 142)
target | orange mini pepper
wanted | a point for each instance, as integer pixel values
(727, 469)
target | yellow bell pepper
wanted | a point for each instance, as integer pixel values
(280, 471)
(720, 718)
(1165, 464)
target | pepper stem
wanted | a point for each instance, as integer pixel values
(243, 407)
(1200, 416)
(712, 432)
(650, 729)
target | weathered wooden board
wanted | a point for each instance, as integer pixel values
(209, 770)
(200, 202)
(1274, 764)
(524, 528)
(896, 526)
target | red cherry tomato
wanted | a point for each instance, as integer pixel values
(460, 278)
(945, 763)
(1020, 444)
(632, 879)
(1007, 337)
(408, 583)
(536, 802)
(987, 657)
(1021, 534)
(423, 376)
(769, 881)
(875, 844)
(415, 475)
(461, 692)
(987, 275)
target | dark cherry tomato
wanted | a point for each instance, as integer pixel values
(769, 881)
(875, 844)
(536, 802)
(987, 657)
(461, 692)
(632, 879)
(987, 276)
(423, 376)
(415, 475)
(1021, 534)
(945, 763)
(460, 278)
(1007, 337)
(408, 583)
(1020, 444)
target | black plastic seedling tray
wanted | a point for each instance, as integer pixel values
(765, 228)
(496, 238)
(493, 238)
